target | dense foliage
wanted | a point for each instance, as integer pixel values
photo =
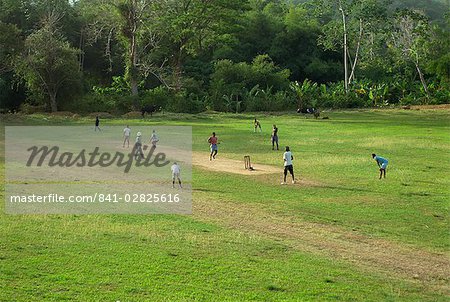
(228, 55)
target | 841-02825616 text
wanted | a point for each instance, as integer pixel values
(144, 197)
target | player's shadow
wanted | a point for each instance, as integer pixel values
(349, 189)
(207, 190)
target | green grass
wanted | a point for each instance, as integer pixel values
(129, 258)
(168, 257)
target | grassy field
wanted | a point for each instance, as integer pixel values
(339, 235)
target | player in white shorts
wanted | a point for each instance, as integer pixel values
(126, 136)
(154, 139)
(175, 174)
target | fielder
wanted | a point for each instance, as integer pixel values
(382, 164)
(97, 124)
(213, 141)
(126, 136)
(257, 125)
(175, 168)
(288, 158)
(154, 139)
(138, 146)
(274, 137)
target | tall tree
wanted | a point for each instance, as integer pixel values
(349, 25)
(411, 39)
(129, 22)
(48, 63)
(11, 44)
(299, 36)
(193, 27)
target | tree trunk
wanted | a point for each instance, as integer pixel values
(422, 80)
(133, 73)
(177, 75)
(53, 105)
(134, 84)
(178, 70)
(81, 55)
(352, 74)
(133, 67)
(345, 48)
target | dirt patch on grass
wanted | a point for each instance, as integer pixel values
(300, 181)
(222, 164)
(382, 256)
(428, 107)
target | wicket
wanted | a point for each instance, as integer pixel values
(247, 162)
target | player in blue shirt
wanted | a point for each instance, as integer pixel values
(382, 164)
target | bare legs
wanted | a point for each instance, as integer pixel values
(291, 171)
(213, 155)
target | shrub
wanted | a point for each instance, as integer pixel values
(306, 93)
(65, 114)
(132, 114)
(92, 103)
(181, 102)
(159, 97)
(27, 108)
(232, 84)
(101, 115)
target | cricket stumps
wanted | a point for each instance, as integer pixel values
(247, 163)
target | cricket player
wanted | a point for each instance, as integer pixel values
(213, 141)
(97, 124)
(382, 164)
(288, 158)
(138, 146)
(175, 174)
(274, 137)
(257, 125)
(126, 136)
(154, 139)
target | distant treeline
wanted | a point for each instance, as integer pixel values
(118, 56)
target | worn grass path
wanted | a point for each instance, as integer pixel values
(368, 253)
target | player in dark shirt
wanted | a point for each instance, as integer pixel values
(274, 137)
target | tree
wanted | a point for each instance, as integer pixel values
(10, 45)
(48, 63)
(410, 38)
(235, 81)
(191, 28)
(440, 53)
(129, 22)
(299, 36)
(349, 25)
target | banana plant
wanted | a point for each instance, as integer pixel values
(303, 91)
(228, 102)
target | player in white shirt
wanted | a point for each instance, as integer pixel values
(154, 139)
(287, 158)
(126, 136)
(175, 174)
(138, 146)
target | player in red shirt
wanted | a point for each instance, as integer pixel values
(212, 140)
